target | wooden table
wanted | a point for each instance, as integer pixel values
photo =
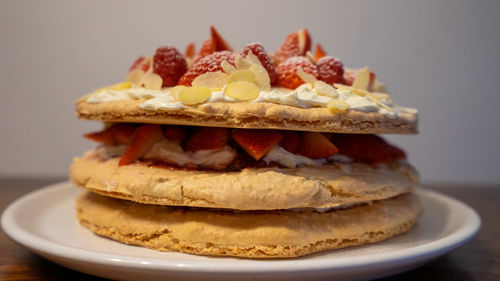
(477, 260)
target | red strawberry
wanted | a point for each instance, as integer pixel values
(141, 63)
(143, 140)
(330, 70)
(220, 43)
(207, 47)
(257, 142)
(351, 74)
(319, 52)
(258, 50)
(174, 132)
(287, 71)
(190, 50)
(367, 148)
(170, 64)
(315, 145)
(210, 63)
(296, 44)
(213, 44)
(120, 133)
(290, 141)
(207, 138)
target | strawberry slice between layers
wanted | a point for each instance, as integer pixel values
(367, 148)
(205, 138)
(290, 141)
(315, 145)
(143, 140)
(257, 143)
(120, 133)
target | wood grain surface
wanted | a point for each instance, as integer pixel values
(479, 259)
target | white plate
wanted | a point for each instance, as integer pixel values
(44, 221)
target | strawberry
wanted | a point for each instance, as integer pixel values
(207, 47)
(220, 43)
(177, 133)
(210, 63)
(330, 70)
(141, 63)
(315, 145)
(257, 142)
(295, 44)
(120, 133)
(213, 44)
(190, 50)
(319, 52)
(290, 141)
(143, 140)
(207, 138)
(258, 50)
(287, 71)
(170, 64)
(351, 74)
(367, 148)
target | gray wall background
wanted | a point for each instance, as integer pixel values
(439, 56)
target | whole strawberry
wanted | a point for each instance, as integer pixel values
(287, 71)
(210, 63)
(258, 50)
(170, 64)
(330, 70)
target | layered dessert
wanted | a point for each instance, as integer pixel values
(246, 153)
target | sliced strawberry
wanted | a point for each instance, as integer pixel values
(295, 44)
(290, 141)
(177, 133)
(287, 71)
(257, 143)
(258, 50)
(319, 52)
(330, 70)
(207, 138)
(210, 63)
(367, 148)
(351, 74)
(142, 63)
(143, 140)
(190, 50)
(120, 133)
(220, 43)
(213, 44)
(315, 145)
(207, 47)
(170, 64)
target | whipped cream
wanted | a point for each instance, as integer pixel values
(305, 96)
(172, 151)
(279, 155)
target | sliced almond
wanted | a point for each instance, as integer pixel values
(362, 80)
(325, 89)
(338, 106)
(152, 81)
(135, 76)
(242, 91)
(211, 80)
(241, 75)
(262, 79)
(306, 77)
(227, 67)
(194, 95)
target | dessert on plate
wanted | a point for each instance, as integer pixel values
(246, 153)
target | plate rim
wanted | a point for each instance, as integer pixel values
(470, 227)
